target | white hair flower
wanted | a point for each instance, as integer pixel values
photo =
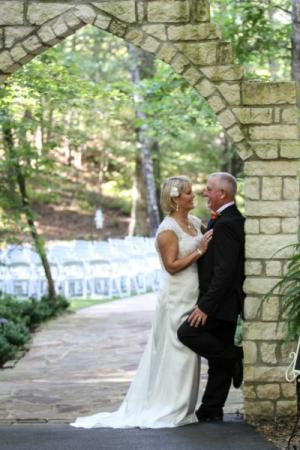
(174, 191)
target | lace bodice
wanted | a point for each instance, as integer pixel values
(186, 242)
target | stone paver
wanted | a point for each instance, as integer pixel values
(82, 363)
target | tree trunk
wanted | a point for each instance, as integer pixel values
(143, 141)
(21, 182)
(296, 42)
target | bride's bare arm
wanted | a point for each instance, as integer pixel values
(168, 246)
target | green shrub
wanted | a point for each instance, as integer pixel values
(7, 350)
(23, 316)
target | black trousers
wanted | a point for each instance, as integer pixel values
(215, 342)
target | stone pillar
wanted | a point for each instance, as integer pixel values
(269, 115)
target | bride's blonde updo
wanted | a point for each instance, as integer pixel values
(172, 188)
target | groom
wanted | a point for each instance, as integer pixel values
(210, 328)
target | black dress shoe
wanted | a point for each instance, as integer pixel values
(237, 373)
(204, 416)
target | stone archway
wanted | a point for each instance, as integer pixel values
(260, 118)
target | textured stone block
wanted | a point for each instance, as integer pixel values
(254, 115)
(271, 311)
(266, 168)
(286, 408)
(252, 308)
(273, 132)
(200, 11)
(216, 103)
(290, 188)
(224, 53)
(175, 11)
(290, 225)
(47, 36)
(192, 75)
(249, 392)
(262, 374)
(141, 12)
(6, 62)
(270, 225)
(60, 28)
(258, 285)
(268, 391)
(33, 45)
(252, 188)
(288, 390)
(18, 53)
(157, 31)
(12, 13)
(231, 92)
(85, 13)
(167, 53)
(190, 32)
(235, 133)
(205, 88)
(265, 149)
(290, 149)
(268, 246)
(134, 36)
(266, 208)
(39, 13)
(226, 118)
(244, 150)
(268, 93)
(102, 22)
(266, 331)
(179, 63)
(253, 267)
(202, 53)
(72, 21)
(271, 188)
(118, 28)
(122, 10)
(15, 34)
(289, 115)
(150, 44)
(224, 73)
(260, 408)
(250, 352)
(252, 226)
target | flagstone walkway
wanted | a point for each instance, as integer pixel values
(82, 363)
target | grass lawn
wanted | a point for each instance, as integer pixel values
(79, 303)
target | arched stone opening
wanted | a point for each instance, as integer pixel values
(260, 118)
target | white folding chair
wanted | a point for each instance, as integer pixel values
(102, 278)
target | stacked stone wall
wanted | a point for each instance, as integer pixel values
(260, 118)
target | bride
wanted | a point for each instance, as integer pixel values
(164, 392)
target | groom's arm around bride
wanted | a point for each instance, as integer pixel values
(209, 331)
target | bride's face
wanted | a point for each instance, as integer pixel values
(186, 199)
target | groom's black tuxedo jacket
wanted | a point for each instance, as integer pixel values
(221, 269)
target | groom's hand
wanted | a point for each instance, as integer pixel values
(197, 317)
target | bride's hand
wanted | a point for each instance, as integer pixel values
(206, 238)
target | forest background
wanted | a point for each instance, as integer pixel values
(95, 123)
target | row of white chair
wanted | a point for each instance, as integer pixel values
(86, 269)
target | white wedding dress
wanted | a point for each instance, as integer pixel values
(165, 390)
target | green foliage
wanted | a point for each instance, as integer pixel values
(289, 289)
(260, 32)
(23, 317)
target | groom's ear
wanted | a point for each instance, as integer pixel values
(223, 193)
